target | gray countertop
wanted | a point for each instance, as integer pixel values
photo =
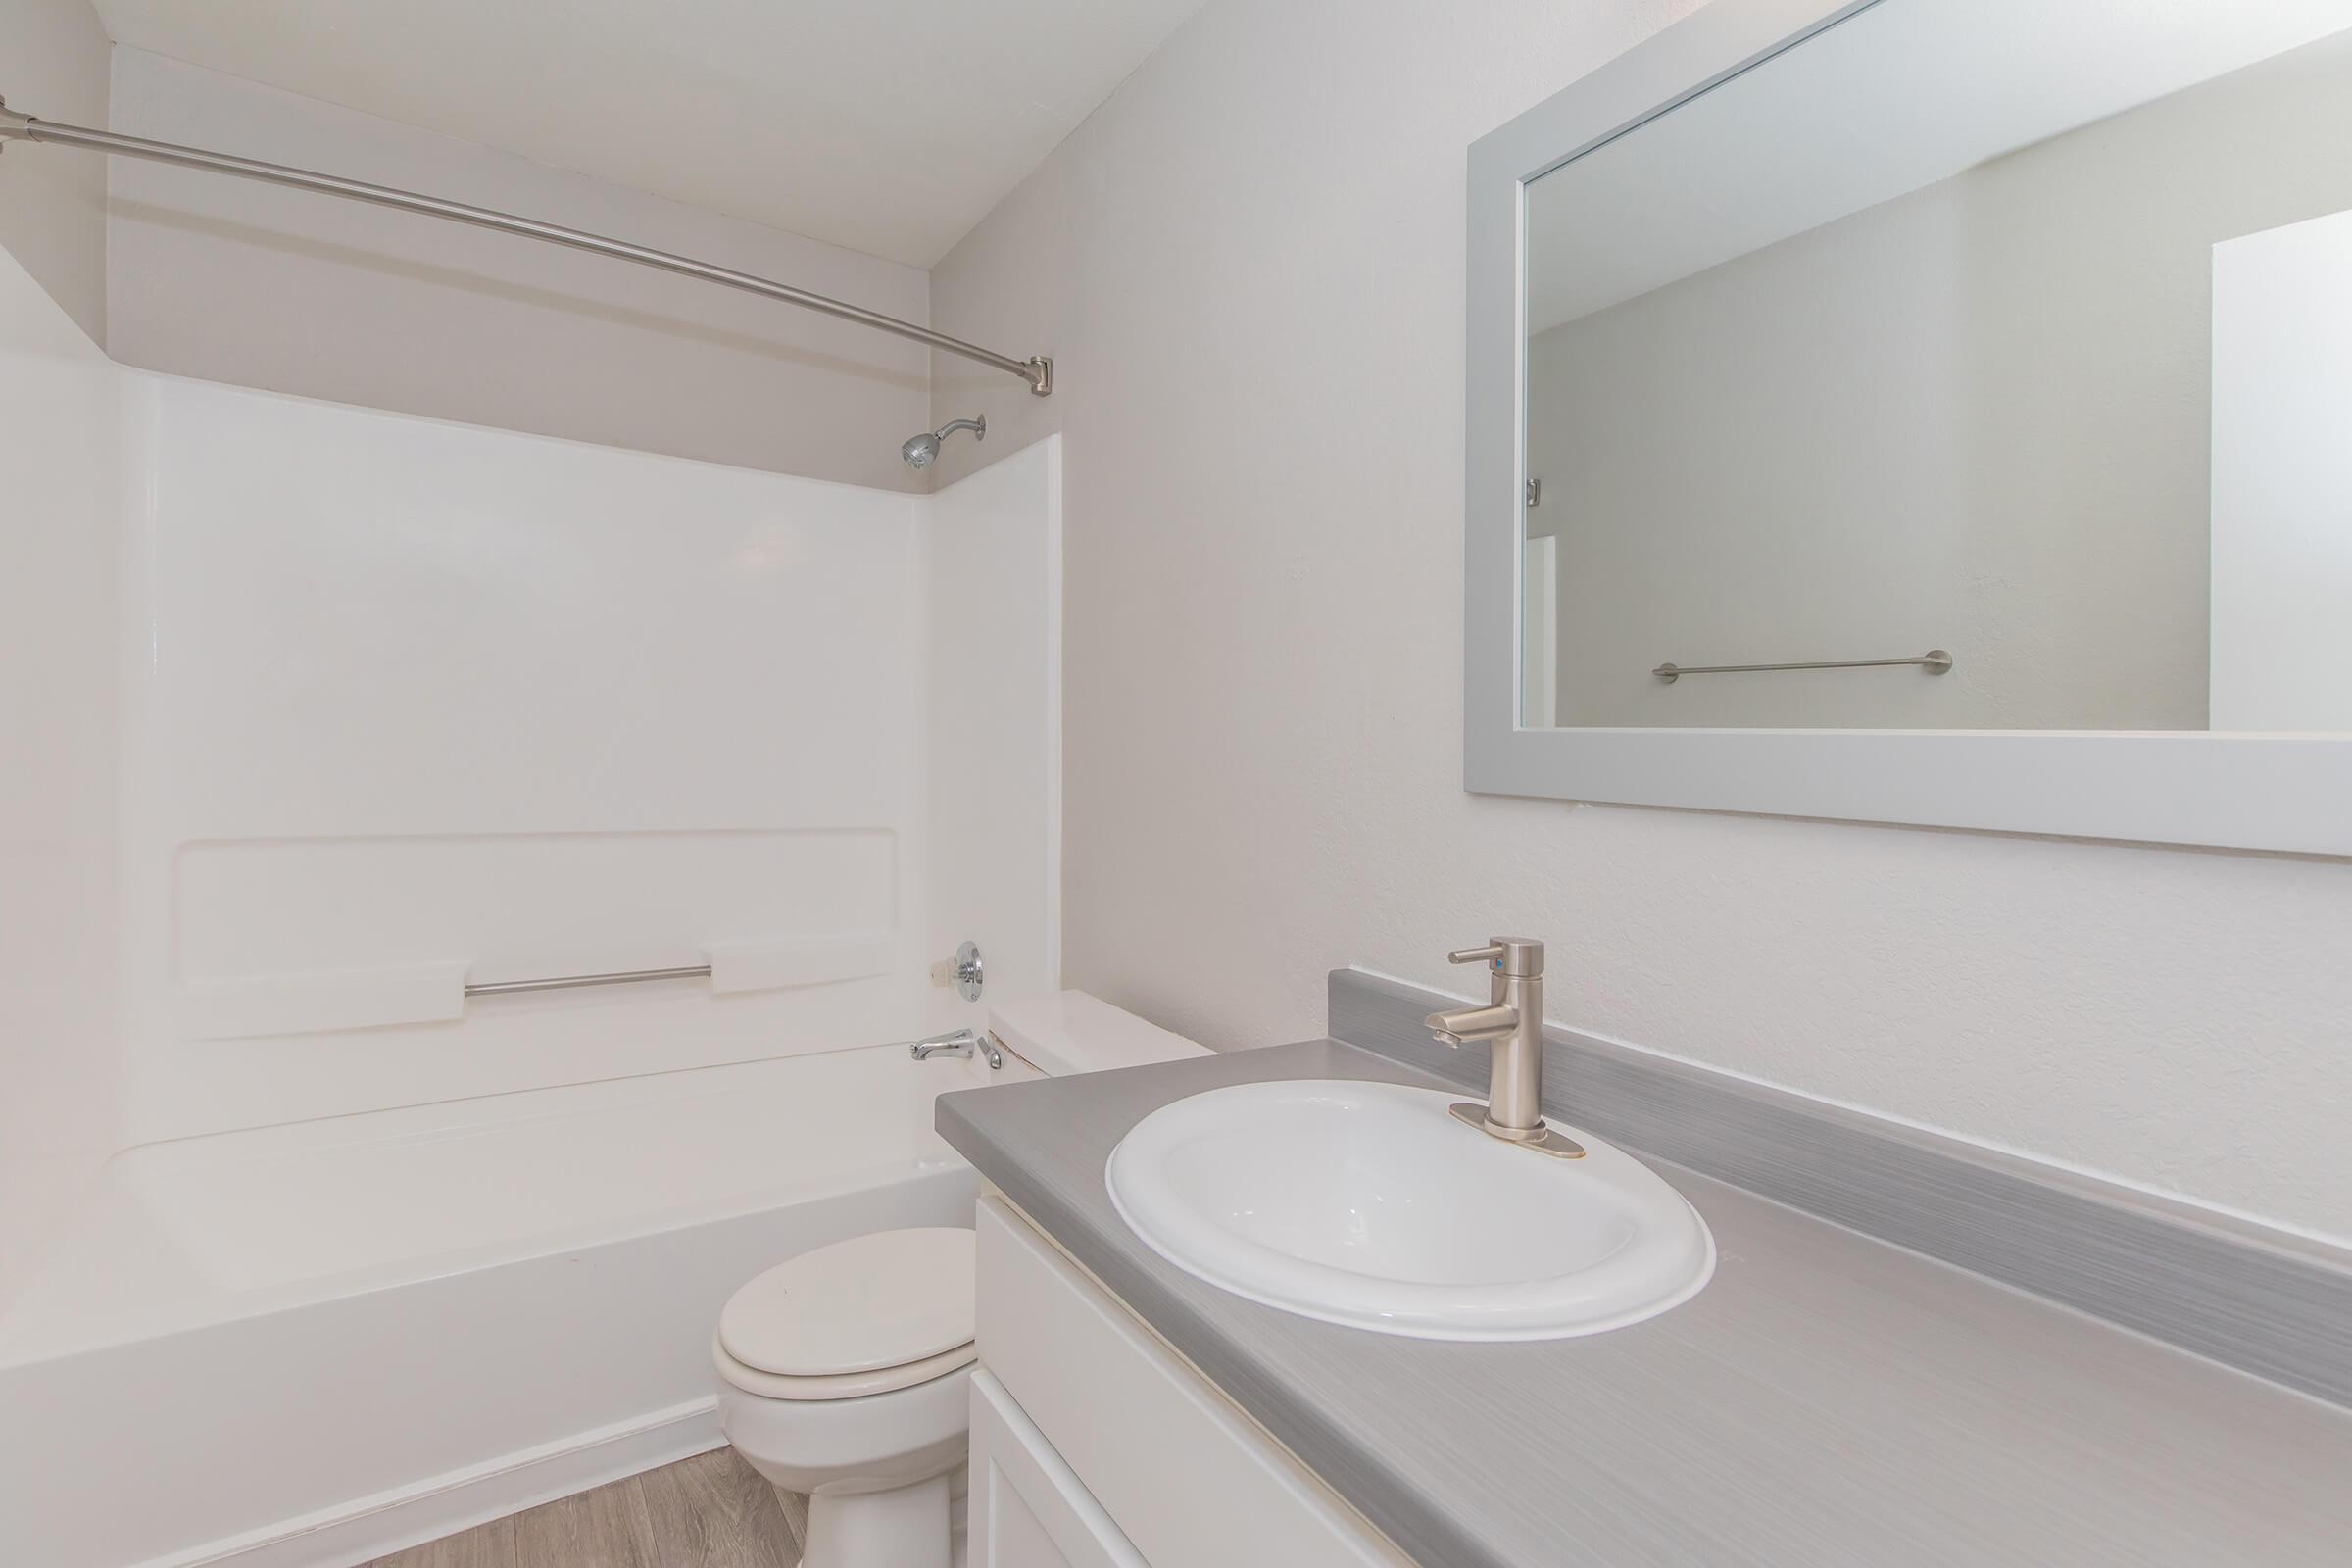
(1827, 1399)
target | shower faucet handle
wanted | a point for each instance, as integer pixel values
(963, 971)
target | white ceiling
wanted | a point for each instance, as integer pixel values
(887, 126)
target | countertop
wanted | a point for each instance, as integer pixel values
(1828, 1400)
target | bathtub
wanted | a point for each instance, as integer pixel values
(310, 1345)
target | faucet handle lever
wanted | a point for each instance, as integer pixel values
(1519, 958)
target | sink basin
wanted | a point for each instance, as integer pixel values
(1365, 1204)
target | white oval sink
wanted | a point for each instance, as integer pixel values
(1366, 1203)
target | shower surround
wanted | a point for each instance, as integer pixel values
(367, 707)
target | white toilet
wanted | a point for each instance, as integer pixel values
(845, 1372)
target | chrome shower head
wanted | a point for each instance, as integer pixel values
(921, 451)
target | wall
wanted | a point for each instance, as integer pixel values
(2014, 367)
(429, 704)
(993, 759)
(318, 711)
(60, 633)
(246, 284)
(53, 203)
(1249, 267)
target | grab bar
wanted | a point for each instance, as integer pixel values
(1935, 662)
(572, 982)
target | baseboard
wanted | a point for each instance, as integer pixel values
(392, 1521)
(2269, 1302)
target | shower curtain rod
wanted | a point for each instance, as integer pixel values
(1038, 371)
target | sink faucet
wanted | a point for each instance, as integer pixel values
(1512, 1025)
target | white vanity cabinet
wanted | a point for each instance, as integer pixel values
(1096, 1447)
(1028, 1507)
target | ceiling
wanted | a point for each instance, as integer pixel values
(890, 127)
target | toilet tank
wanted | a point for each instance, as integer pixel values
(1069, 1031)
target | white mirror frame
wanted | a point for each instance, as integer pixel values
(2261, 791)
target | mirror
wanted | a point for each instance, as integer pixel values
(1995, 358)
(1991, 359)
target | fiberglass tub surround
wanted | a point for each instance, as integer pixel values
(559, 710)
(619, 746)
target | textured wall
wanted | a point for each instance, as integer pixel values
(61, 708)
(1248, 265)
(234, 282)
(53, 202)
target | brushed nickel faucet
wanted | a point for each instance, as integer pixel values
(1512, 1025)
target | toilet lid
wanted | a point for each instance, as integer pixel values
(872, 1302)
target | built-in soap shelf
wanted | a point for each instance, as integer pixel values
(334, 1001)
(323, 935)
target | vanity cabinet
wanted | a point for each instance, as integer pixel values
(1094, 1445)
(1028, 1507)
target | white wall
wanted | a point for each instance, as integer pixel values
(247, 283)
(60, 716)
(2282, 478)
(1248, 265)
(2014, 367)
(315, 713)
(428, 702)
(53, 203)
(993, 759)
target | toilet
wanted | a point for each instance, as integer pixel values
(845, 1373)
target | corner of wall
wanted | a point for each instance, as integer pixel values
(53, 200)
(61, 708)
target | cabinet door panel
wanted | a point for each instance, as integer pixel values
(1028, 1508)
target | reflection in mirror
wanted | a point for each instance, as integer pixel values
(1989, 354)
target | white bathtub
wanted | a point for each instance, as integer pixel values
(313, 1344)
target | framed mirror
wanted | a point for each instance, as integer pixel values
(1932, 412)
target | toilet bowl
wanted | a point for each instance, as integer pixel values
(845, 1373)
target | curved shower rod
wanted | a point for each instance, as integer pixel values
(1038, 371)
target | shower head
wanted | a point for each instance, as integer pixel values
(921, 451)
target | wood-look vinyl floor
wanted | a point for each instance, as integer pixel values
(710, 1511)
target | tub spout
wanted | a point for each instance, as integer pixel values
(962, 1042)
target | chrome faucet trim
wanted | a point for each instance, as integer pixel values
(962, 1042)
(1512, 1025)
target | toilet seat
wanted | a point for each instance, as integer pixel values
(840, 1386)
(867, 1315)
